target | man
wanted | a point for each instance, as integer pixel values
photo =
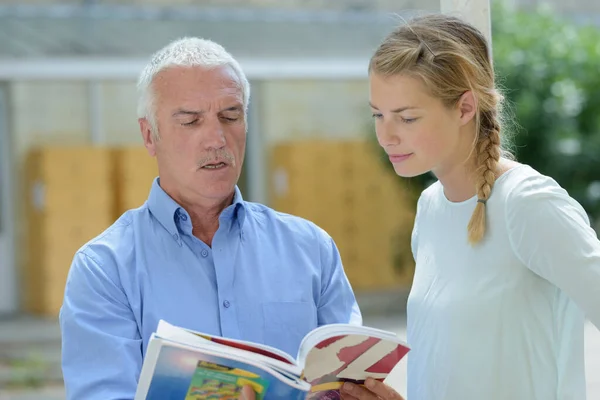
(195, 254)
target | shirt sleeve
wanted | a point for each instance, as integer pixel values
(101, 345)
(551, 234)
(337, 301)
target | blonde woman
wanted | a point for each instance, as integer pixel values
(507, 266)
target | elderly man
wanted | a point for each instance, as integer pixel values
(195, 254)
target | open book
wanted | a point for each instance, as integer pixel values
(187, 365)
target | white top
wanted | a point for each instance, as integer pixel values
(504, 319)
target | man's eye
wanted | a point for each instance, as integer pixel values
(189, 123)
(230, 118)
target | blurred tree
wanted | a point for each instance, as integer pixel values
(549, 70)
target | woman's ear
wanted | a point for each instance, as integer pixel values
(467, 107)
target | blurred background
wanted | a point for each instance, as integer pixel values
(72, 160)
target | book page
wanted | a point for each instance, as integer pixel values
(169, 331)
(351, 358)
(252, 347)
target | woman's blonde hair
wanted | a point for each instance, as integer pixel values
(451, 57)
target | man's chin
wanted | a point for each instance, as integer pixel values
(217, 190)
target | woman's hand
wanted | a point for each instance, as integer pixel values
(247, 393)
(373, 390)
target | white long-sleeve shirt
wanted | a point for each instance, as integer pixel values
(502, 319)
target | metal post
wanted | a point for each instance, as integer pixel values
(97, 133)
(9, 281)
(476, 12)
(255, 152)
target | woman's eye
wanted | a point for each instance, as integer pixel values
(377, 116)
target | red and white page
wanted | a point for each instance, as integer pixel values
(353, 358)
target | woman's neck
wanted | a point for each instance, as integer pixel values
(459, 181)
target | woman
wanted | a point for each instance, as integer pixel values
(507, 266)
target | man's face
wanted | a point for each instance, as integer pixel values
(202, 131)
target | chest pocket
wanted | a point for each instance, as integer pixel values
(286, 323)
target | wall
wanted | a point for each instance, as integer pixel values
(281, 4)
(304, 109)
(119, 113)
(57, 113)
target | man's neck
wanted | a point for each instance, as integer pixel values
(205, 217)
(204, 213)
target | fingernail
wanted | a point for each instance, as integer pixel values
(347, 387)
(370, 383)
(245, 393)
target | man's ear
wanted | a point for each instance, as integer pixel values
(148, 136)
(467, 107)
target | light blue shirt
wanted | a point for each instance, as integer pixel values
(269, 277)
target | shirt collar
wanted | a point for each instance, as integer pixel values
(167, 211)
(237, 209)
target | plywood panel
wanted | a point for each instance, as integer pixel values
(344, 187)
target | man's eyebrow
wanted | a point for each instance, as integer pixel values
(397, 110)
(181, 111)
(187, 112)
(237, 107)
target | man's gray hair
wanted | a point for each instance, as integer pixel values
(186, 52)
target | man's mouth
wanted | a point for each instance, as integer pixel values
(214, 166)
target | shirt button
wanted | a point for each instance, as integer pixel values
(183, 217)
(226, 304)
(176, 236)
(204, 253)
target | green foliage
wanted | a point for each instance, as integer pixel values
(549, 70)
(27, 372)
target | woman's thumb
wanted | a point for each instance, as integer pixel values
(247, 393)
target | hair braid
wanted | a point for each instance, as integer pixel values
(488, 155)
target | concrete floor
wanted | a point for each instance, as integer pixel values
(44, 338)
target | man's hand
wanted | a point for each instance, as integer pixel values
(247, 393)
(374, 390)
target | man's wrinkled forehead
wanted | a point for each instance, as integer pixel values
(198, 82)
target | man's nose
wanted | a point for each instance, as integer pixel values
(214, 135)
